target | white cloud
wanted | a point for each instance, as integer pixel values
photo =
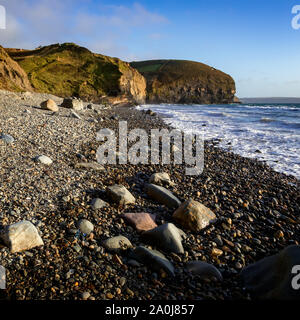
(106, 29)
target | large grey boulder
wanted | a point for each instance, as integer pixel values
(21, 236)
(162, 195)
(74, 104)
(167, 237)
(275, 277)
(153, 259)
(193, 215)
(120, 195)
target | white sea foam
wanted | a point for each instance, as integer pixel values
(268, 133)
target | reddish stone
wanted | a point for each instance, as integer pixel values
(142, 221)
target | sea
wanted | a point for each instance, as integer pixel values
(268, 132)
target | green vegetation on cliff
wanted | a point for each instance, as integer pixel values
(70, 70)
(181, 81)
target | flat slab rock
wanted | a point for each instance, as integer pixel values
(273, 277)
(90, 165)
(141, 221)
(163, 196)
(21, 236)
(116, 244)
(167, 237)
(204, 270)
(153, 259)
(193, 215)
(120, 195)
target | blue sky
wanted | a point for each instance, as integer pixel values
(251, 40)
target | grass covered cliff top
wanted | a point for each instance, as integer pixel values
(183, 81)
(70, 70)
(174, 70)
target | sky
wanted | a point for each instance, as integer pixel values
(252, 40)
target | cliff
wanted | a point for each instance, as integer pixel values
(181, 81)
(70, 70)
(12, 76)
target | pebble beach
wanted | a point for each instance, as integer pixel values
(78, 207)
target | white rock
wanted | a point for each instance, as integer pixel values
(44, 159)
(21, 236)
(85, 295)
(85, 226)
(75, 115)
(161, 178)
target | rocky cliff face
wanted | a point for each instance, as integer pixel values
(71, 70)
(133, 83)
(12, 76)
(180, 81)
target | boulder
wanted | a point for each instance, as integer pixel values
(141, 221)
(275, 277)
(153, 259)
(70, 103)
(49, 105)
(162, 195)
(85, 226)
(166, 237)
(98, 203)
(193, 215)
(204, 270)
(117, 244)
(120, 195)
(21, 236)
(44, 160)
(161, 178)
